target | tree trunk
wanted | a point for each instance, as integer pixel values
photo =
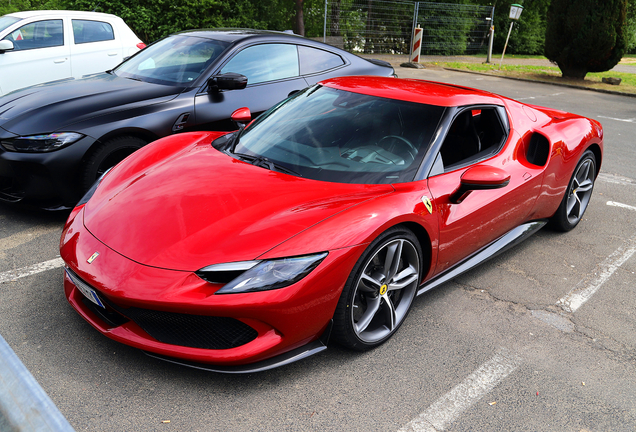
(573, 72)
(300, 20)
(335, 20)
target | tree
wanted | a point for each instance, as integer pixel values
(586, 35)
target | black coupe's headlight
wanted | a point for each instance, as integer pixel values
(40, 143)
(251, 276)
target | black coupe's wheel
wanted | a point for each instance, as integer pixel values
(378, 294)
(578, 194)
(107, 156)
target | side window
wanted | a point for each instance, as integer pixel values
(266, 62)
(475, 134)
(40, 34)
(314, 60)
(92, 31)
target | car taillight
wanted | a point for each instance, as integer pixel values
(141, 45)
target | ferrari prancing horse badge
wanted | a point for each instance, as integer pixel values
(428, 204)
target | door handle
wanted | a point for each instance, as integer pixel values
(59, 60)
(112, 54)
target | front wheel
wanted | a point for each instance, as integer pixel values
(378, 294)
(107, 156)
(577, 195)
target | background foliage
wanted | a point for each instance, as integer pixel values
(153, 19)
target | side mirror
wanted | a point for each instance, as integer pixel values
(241, 117)
(6, 45)
(227, 81)
(479, 178)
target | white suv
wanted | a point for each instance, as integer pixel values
(41, 46)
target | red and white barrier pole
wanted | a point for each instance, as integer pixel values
(416, 49)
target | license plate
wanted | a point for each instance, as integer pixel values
(88, 292)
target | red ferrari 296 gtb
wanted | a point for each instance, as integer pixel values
(321, 219)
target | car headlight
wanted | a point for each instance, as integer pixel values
(40, 143)
(251, 276)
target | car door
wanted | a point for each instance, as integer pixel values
(478, 139)
(95, 47)
(273, 73)
(40, 54)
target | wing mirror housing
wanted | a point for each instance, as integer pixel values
(6, 45)
(227, 81)
(241, 117)
(479, 178)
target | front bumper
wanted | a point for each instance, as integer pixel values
(176, 315)
(45, 180)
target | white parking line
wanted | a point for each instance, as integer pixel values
(616, 179)
(631, 120)
(621, 205)
(25, 236)
(446, 409)
(12, 275)
(584, 290)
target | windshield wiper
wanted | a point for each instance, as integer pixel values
(263, 162)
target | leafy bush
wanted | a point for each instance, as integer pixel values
(586, 35)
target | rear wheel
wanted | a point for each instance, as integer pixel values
(107, 156)
(577, 195)
(378, 294)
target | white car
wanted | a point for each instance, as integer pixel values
(41, 46)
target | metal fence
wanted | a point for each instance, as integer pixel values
(386, 26)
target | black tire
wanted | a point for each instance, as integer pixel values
(107, 155)
(577, 195)
(356, 325)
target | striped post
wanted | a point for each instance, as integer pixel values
(417, 45)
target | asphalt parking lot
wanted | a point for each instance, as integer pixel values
(541, 338)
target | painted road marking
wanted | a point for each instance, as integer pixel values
(18, 239)
(616, 179)
(631, 120)
(12, 275)
(538, 97)
(584, 290)
(621, 205)
(447, 408)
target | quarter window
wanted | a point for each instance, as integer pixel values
(475, 134)
(314, 60)
(92, 31)
(266, 62)
(40, 34)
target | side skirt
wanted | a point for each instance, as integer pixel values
(503, 243)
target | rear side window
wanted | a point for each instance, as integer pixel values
(92, 31)
(314, 60)
(266, 62)
(40, 34)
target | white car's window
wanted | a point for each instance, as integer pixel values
(266, 62)
(314, 60)
(92, 31)
(6, 21)
(40, 34)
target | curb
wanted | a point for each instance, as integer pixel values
(612, 92)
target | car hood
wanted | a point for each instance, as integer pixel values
(199, 207)
(57, 106)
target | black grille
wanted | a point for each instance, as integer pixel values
(195, 331)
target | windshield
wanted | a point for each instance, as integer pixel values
(338, 136)
(6, 21)
(176, 60)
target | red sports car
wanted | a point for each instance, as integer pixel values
(322, 219)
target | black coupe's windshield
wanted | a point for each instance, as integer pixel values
(176, 60)
(338, 136)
